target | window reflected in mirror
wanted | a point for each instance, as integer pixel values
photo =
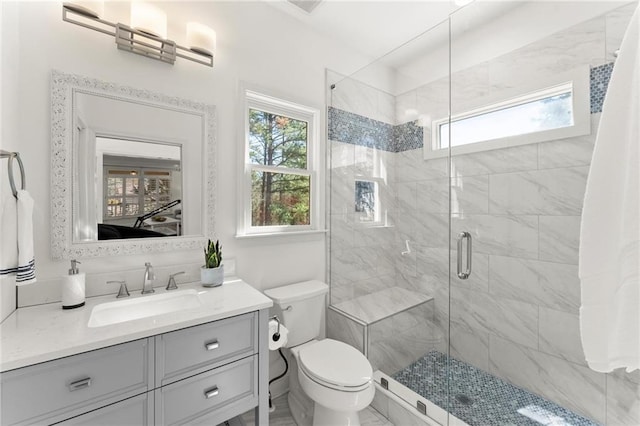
(138, 190)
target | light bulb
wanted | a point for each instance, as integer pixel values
(201, 38)
(149, 19)
(90, 8)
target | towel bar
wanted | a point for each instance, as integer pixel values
(12, 183)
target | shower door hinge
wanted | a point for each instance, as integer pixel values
(384, 383)
(421, 407)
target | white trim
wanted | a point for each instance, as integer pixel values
(378, 220)
(579, 78)
(257, 98)
(63, 89)
(278, 169)
(292, 233)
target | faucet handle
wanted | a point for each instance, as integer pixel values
(172, 281)
(124, 291)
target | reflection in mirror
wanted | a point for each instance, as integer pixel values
(134, 190)
(128, 165)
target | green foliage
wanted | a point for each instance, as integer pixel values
(278, 198)
(275, 140)
(213, 254)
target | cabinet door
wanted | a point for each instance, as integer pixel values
(190, 351)
(66, 387)
(136, 411)
(211, 397)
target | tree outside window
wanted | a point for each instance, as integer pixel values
(280, 179)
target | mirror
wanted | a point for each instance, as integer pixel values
(132, 170)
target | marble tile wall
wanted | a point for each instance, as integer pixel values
(361, 146)
(344, 329)
(399, 340)
(517, 316)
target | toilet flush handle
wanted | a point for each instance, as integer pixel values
(288, 308)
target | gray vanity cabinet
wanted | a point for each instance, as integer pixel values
(57, 390)
(211, 397)
(193, 350)
(137, 410)
(205, 374)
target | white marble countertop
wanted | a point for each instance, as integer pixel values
(45, 332)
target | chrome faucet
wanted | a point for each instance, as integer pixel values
(171, 285)
(149, 278)
(124, 291)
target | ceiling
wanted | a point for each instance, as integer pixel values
(411, 37)
(372, 27)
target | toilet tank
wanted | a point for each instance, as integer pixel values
(301, 308)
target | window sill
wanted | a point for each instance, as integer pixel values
(265, 235)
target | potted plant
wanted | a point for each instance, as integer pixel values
(212, 272)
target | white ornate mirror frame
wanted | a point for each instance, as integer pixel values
(62, 245)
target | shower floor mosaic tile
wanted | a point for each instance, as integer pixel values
(481, 399)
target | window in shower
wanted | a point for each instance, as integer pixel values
(280, 173)
(554, 112)
(367, 204)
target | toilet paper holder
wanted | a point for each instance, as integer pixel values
(276, 336)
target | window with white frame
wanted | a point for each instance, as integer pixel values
(553, 112)
(133, 192)
(367, 201)
(281, 185)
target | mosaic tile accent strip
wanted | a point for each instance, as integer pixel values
(352, 128)
(407, 136)
(599, 81)
(356, 129)
(479, 398)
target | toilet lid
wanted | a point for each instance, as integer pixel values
(335, 363)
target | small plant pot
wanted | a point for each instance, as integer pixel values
(212, 277)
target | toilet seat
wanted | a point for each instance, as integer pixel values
(336, 365)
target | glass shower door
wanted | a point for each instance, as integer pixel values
(389, 220)
(525, 104)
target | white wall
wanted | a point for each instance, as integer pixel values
(256, 44)
(8, 114)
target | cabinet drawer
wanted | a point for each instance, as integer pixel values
(215, 395)
(186, 352)
(56, 390)
(133, 411)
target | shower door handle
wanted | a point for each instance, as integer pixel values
(463, 275)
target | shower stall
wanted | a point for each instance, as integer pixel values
(457, 167)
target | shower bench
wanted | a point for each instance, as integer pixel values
(387, 326)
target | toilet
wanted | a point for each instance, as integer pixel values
(330, 381)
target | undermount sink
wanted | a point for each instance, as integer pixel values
(142, 307)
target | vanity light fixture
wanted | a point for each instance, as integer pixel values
(147, 35)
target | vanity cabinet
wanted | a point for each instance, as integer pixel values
(190, 351)
(207, 373)
(211, 397)
(63, 388)
(137, 410)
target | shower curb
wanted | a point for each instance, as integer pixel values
(392, 405)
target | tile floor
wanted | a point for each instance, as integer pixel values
(282, 416)
(480, 398)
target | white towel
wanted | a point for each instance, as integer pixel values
(16, 226)
(610, 232)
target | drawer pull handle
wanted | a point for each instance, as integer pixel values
(212, 345)
(80, 384)
(211, 392)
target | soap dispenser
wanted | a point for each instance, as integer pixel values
(73, 287)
